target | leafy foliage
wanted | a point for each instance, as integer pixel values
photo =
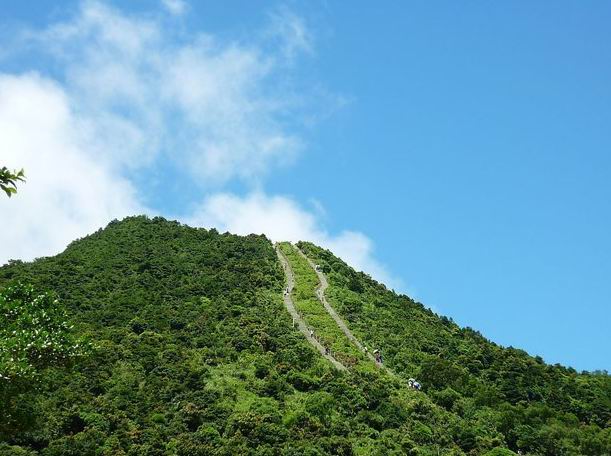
(34, 333)
(9, 179)
(194, 354)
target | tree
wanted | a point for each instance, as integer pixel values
(9, 179)
(34, 334)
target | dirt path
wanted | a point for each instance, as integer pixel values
(320, 292)
(288, 302)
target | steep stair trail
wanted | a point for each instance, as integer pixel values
(320, 293)
(288, 302)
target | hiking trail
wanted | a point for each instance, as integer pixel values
(288, 302)
(320, 293)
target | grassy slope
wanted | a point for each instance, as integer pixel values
(315, 315)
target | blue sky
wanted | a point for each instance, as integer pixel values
(459, 151)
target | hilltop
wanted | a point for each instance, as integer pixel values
(195, 353)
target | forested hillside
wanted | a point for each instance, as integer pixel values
(539, 408)
(190, 351)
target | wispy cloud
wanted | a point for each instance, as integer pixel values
(128, 96)
(152, 92)
(290, 32)
(175, 7)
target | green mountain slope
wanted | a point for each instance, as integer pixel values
(194, 353)
(538, 407)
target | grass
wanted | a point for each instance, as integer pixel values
(315, 315)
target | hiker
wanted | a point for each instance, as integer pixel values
(410, 382)
(377, 355)
(327, 351)
(312, 333)
(417, 386)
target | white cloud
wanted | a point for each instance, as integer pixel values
(132, 96)
(68, 193)
(153, 93)
(283, 219)
(175, 7)
(222, 96)
(291, 32)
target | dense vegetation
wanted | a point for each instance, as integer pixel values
(538, 408)
(194, 354)
(34, 334)
(191, 352)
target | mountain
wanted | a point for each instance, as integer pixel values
(194, 351)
